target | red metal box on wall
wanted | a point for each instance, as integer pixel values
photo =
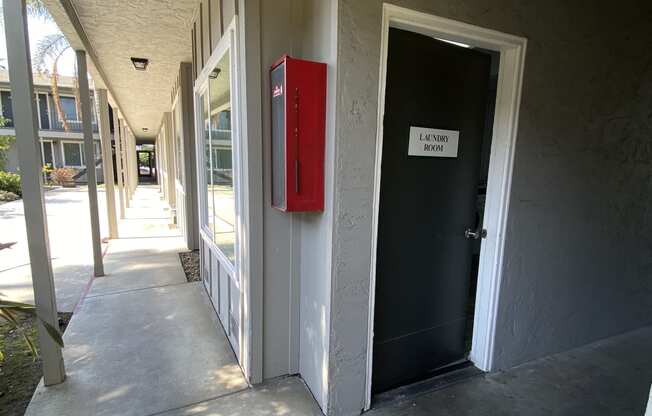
(298, 123)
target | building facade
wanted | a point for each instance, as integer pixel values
(519, 229)
(61, 145)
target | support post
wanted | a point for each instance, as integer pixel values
(89, 154)
(189, 159)
(125, 165)
(134, 160)
(158, 163)
(118, 162)
(102, 102)
(172, 169)
(29, 159)
(130, 159)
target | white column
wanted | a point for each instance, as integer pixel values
(89, 154)
(118, 162)
(130, 160)
(125, 165)
(171, 162)
(158, 162)
(102, 103)
(189, 160)
(131, 153)
(29, 159)
(164, 166)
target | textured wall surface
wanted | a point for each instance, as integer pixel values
(276, 39)
(318, 43)
(121, 29)
(297, 246)
(579, 242)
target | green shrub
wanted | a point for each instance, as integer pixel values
(10, 182)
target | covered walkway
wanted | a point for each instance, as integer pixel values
(144, 340)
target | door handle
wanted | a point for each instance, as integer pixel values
(474, 235)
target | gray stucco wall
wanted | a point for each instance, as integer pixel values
(276, 39)
(297, 246)
(318, 44)
(579, 242)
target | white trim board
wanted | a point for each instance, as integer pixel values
(512, 58)
(80, 144)
(250, 344)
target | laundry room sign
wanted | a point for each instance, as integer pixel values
(433, 142)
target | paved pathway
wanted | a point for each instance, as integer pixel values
(70, 246)
(146, 342)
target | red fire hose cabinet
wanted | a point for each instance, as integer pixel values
(298, 123)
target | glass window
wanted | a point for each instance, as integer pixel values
(73, 154)
(43, 111)
(69, 108)
(209, 216)
(215, 110)
(7, 110)
(48, 157)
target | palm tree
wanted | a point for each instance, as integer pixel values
(49, 49)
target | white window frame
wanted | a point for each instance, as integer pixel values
(250, 337)
(225, 45)
(510, 78)
(40, 110)
(66, 96)
(63, 154)
(51, 143)
(1, 106)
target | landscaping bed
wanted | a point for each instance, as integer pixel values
(20, 372)
(190, 264)
(6, 196)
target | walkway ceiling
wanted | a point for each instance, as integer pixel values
(118, 30)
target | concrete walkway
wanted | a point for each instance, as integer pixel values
(70, 246)
(609, 377)
(145, 342)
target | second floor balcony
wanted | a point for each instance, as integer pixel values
(48, 114)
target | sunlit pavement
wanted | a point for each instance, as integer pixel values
(144, 341)
(70, 246)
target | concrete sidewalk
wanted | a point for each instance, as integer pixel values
(146, 342)
(69, 227)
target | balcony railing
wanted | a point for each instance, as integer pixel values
(75, 126)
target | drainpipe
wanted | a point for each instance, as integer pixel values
(89, 153)
(29, 159)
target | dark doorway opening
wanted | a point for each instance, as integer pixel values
(146, 166)
(439, 110)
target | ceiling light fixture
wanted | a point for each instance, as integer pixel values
(140, 63)
(214, 73)
(145, 129)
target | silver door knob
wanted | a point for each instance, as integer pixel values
(474, 235)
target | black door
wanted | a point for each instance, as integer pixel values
(423, 268)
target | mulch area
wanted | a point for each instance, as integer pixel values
(20, 373)
(190, 264)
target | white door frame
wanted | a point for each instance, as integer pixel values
(508, 97)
